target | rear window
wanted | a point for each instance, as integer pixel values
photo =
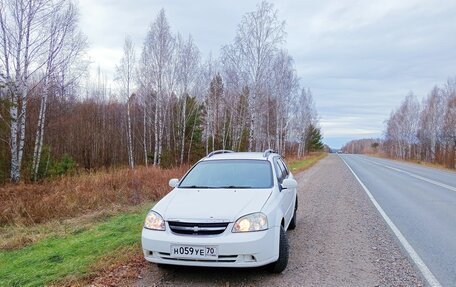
(229, 174)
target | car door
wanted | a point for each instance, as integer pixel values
(285, 195)
(290, 194)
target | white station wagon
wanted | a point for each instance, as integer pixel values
(231, 209)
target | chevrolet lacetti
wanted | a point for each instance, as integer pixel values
(231, 209)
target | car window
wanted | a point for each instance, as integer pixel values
(229, 174)
(287, 172)
(279, 170)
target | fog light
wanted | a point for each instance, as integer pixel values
(249, 258)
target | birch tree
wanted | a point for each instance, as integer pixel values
(188, 58)
(449, 122)
(450, 130)
(431, 125)
(426, 133)
(206, 76)
(171, 105)
(213, 107)
(125, 75)
(23, 41)
(159, 46)
(402, 128)
(305, 118)
(258, 37)
(65, 44)
(236, 92)
(284, 86)
(145, 83)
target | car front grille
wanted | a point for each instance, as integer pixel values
(192, 228)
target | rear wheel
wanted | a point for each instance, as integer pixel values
(282, 261)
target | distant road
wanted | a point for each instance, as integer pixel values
(421, 202)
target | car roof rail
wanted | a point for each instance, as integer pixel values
(268, 152)
(219, 152)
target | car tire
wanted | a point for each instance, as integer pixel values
(292, 224)
(282, 261)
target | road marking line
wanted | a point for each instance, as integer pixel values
(415, 175)
(430, 278)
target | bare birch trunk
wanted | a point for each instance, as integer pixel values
(22, 129)
(207, 137)
(191, 137)
(130, 142)
(24, 89)
(277, 131)
(156, 132)
(160, 137)
(252, 124)
(224, 130)
(40, 133)
(184, 120)
(15, 159)
(145, 134)
(14, 170)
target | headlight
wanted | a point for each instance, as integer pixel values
(251, 222)
(154, 221)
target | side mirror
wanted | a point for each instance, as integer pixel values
(173, 182)
(289, 183)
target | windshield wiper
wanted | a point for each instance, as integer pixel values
(235, 186)
(218, 187)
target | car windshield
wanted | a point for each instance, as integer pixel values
(229, 174)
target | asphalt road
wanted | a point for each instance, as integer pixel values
(421, 202)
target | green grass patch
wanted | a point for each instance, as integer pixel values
(56, 257)
(19, 236)
(299, 165)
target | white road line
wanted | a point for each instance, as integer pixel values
(430, 278)
(415, 175)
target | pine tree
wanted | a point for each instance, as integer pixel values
(315, 139)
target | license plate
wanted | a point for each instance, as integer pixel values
(192, 251)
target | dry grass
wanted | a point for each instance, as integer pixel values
(415, 161)
(73, 196)
(300, 164)
(112, 270)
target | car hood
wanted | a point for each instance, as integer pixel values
(212, 204)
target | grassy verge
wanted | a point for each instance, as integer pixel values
(19, 236)
(298, 165)
(56, 257)
(415, 161)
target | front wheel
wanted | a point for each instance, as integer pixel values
(282, 261)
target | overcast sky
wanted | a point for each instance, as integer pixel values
(359, 58)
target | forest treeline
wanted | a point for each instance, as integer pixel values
(423, 131)
(169, 105)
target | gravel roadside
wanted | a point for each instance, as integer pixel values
(341, 240)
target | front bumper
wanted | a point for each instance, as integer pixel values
(250, 249)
